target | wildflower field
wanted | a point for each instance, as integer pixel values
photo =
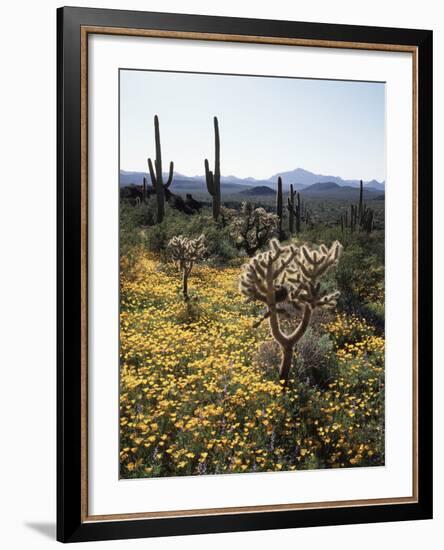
(199, 386)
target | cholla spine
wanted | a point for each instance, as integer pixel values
(186, 252)
(287, 280)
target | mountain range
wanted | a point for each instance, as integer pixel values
(304, 177)
(307, 182)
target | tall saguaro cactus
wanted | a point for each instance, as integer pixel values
(290, 208)
(213, 178)
(298, 213)
(144, 190)
(279, 209)
(156, 174)
(287, 280)
(361, 197)
(294, 210)
(361, 216)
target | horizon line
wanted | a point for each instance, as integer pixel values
(255, 178)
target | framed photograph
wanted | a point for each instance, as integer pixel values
(244, 274)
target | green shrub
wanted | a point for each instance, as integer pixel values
(315, 359)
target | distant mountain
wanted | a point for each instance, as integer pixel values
(332, 190)
(322, 186)
(304, 177)
(132, 178)
(375, 184)
(258, 190)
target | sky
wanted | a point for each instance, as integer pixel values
(267, 125)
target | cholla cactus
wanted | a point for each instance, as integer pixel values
(253, 227)
(227, 215)
(185, 252)
(286, 279)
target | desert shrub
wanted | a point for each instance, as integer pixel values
(220, 245)
(138, 215)
(374, 312)
(190, 312)
(130, 239)
(267, 357)
(315, 361)
(360, 279)
(320, 317)
(157, 237)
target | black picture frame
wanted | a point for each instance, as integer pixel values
(71, 525)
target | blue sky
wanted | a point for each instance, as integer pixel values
(267, 125)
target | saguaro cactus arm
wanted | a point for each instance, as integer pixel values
(170, 175)
(209, 178)
(152, 174)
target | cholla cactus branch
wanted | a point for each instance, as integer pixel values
(186, 252)
(286, 280)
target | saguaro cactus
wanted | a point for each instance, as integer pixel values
(144, 190)
(279, 209)
(186, 252)
(361, 197)
(290, 208)
(367, 219)
(294, 210)
(361, 216)
(157, 181)
(287, 280)
(298, 212)
(213, 178)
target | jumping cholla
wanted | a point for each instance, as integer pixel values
(253, 227)
(185, 252)
(286, 280)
